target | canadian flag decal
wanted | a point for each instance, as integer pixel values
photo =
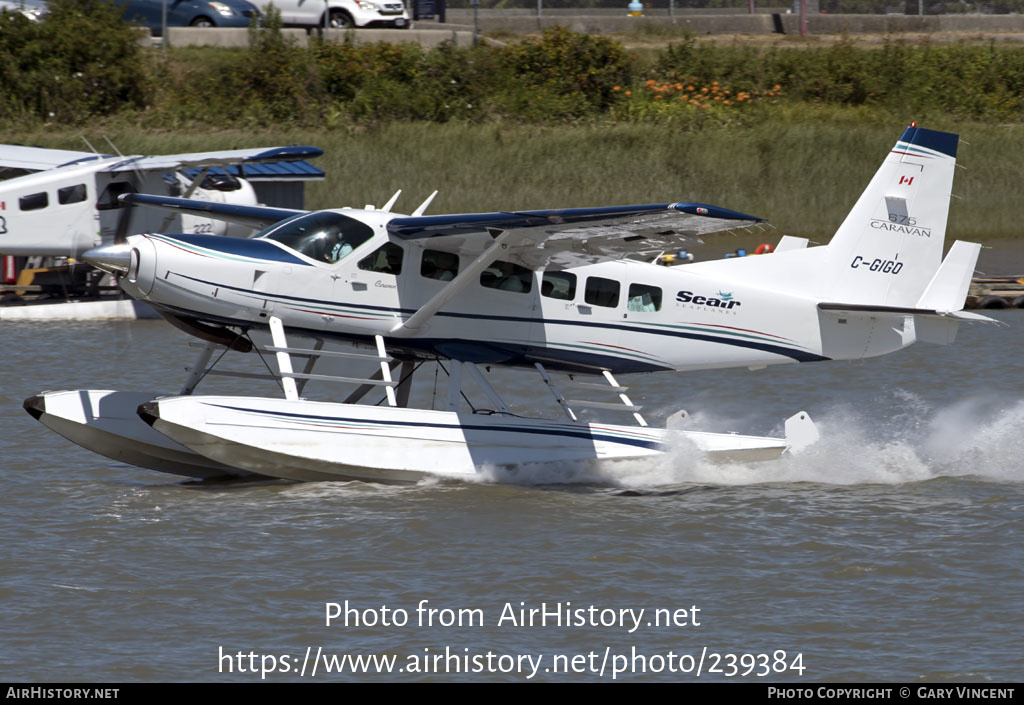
(906, 180)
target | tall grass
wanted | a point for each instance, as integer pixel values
(802, 174)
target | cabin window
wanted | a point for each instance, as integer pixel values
(602, 292)
(507, 276)
(644, 298)
(108, 200)
(558, 285)
(439, 265)
(34, 202)
(71, 194)
(324, 235)
(386, 259)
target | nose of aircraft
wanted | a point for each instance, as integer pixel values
(110, 258)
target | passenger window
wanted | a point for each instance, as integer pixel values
(602, 292)
(558, 285)
(386, 259)
(71, 194)
(507, 276)
(439, 265)
(34, 202)
(108, 199)
(644, 298)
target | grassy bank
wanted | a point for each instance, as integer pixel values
(802, 173)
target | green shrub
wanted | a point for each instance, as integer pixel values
(79, 61)
(565, 75)
(977, 81)
(279, 82)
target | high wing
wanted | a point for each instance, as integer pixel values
(576, 236)
(198, 160)
(20, 159)
(17, 160)
(257, 217)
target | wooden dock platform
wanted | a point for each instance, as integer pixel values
(996, 292)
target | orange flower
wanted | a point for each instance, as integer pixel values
(657, 97)
(617, 88)
(629, 92)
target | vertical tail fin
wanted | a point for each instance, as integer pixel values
(889, 247)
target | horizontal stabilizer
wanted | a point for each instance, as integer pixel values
(789, 242)
(250, 216)
(872, 309)
(900, 312)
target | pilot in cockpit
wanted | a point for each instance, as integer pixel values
(324, 236)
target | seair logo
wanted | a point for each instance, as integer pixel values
(723, 300)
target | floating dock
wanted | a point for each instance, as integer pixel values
(996, 292)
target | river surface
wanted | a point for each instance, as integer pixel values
(891, 550)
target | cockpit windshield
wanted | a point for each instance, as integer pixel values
(324, 236)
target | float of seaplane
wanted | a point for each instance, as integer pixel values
(55, 204)
(576, 295)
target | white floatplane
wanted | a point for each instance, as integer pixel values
(55, 204)
(572, 291)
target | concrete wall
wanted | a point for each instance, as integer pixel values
(878, 24)
(239, 37)
(617, 24)
(431, 34)
(221, 36)
(860, 24)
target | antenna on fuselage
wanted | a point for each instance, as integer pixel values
(423, 206)
(387, 206)
(88, 144)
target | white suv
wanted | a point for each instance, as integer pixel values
(341, 14)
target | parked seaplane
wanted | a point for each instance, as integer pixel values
(560, 291)
(55, 204)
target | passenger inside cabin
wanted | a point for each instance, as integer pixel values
(641, 302)
(439, 265)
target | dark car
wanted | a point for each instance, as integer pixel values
(189, 13)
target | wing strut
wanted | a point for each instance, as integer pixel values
(471, 273)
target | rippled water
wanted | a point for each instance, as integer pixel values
(891, 550)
